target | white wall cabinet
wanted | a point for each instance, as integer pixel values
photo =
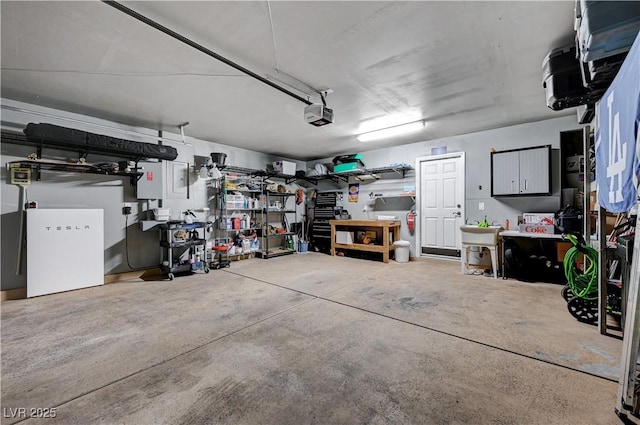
(521, 172)
(505, 176)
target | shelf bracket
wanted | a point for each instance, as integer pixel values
(134, 178)
(137, 176)
(37, 170)
(395, 170)
(340, 177)
(307, 179)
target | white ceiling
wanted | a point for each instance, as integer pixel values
(462, 66)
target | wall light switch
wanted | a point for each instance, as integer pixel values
(481, 206)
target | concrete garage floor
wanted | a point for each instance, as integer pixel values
(309, 339)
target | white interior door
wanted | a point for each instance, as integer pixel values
(441, 203)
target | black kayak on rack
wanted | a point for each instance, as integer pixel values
(49, 135)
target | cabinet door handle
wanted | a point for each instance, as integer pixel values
(513, 186)
(526, 183)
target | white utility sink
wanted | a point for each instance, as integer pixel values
(480, 236)
(483, 236)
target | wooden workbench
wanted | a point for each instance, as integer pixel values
(388, 231)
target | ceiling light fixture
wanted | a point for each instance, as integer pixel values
(397, 130)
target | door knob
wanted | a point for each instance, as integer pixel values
(457, 213)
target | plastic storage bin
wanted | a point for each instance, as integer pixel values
(562, 79)
(162, 214)
(607, 28)
(402, 251)
(285, 167)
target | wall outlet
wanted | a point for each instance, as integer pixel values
(126, 208)
(481, 206)
(365, 208)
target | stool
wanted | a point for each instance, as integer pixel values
(221, 257)
(494, 259)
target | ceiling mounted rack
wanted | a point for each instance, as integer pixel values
(370, 173)
(373, 173)
(231, 169)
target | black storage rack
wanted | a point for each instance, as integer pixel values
(372, 173)
(37, 164)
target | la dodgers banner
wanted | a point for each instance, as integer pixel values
(617, 144)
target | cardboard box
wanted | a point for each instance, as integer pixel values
(537, 228)
(344, 237)
(593, 201)
(611, 222)
(285, 167)
(367, 237)
(561, 250)
(538, 218)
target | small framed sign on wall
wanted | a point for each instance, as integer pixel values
(21, 176)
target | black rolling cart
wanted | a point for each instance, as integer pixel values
(183, 248)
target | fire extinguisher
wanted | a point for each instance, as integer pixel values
(411, 221)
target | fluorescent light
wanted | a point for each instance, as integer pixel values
(391, 131)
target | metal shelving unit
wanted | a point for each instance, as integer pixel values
(231, 204)
(278, 244)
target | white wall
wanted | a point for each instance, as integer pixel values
(477, 147)
(62, 190)
(74, 190)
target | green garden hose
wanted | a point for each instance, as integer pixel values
(583, 284)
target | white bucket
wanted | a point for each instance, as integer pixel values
(246, 245)
(402, 251)
(479, 256)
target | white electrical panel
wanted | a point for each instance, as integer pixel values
(150, 185)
